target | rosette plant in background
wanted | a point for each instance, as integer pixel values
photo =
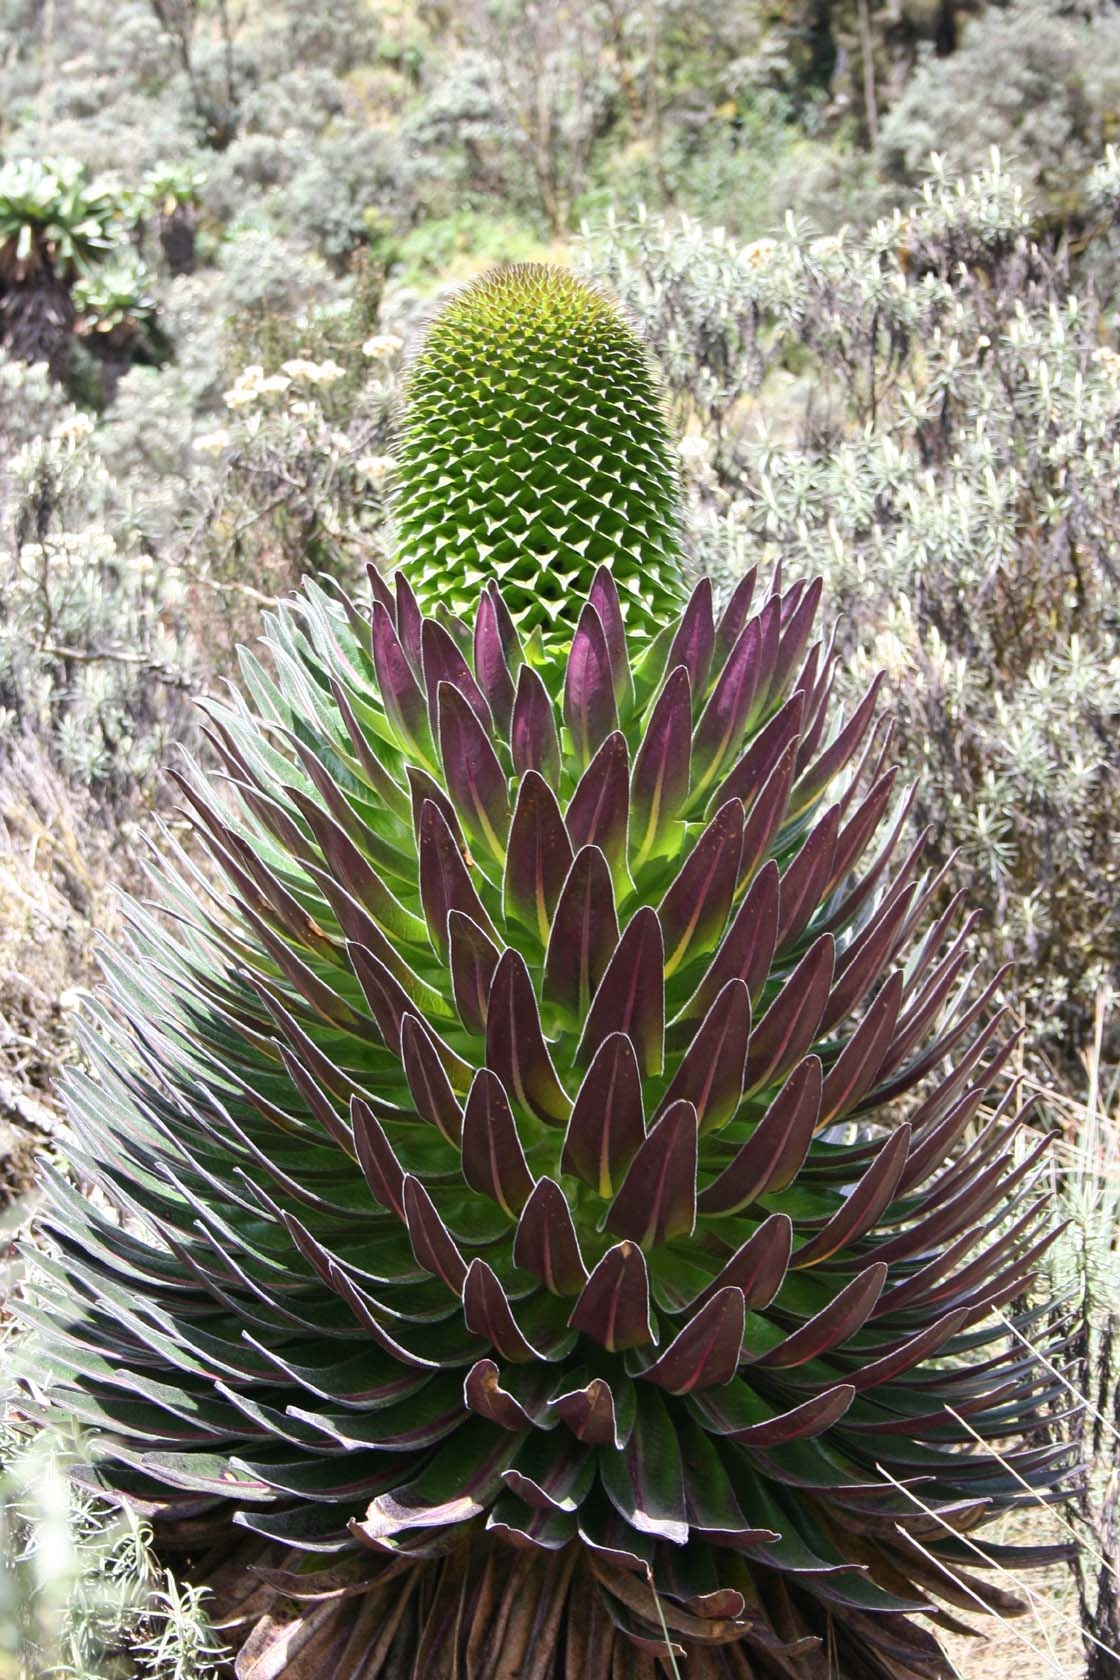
(559, 1206)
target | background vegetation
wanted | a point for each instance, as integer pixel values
(220, 224)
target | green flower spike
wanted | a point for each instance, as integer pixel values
(533, 452)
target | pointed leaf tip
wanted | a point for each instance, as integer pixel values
(599, 811)
(589, 703)
(657, 1200)
(584, 934)
(475, 779)
(631, 995)
(659, 784)
(515, 1046)
(538, 857)
(493, 1159)
(706, 1352)
(606, 1127)
(534, 741)
(613, 1308)
(546, 1243)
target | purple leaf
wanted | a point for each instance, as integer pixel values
(546, 1243)
(487, 1312)
(795, 637)
(589, 708)
(922, 1346)
(515, 1046)
(584, 933)
(834, 1324)
(599, 810)
(724, 718)
(490, 665)
(383, 1172)
(746, 950)
(767, 813)
(804, 879)
(789, 1025)
(445, 882)
(427, 1079)
(472, 958)
(758, 1267)
(772, 1155)
(443, 662)
(534, 741)
(706, 1352)
(590, 1413)
(353, 871)
(631, 995)
(400, 693)
(710, 1076)
(432, 1243)
(484, 1394)
(867, 956)
(754, 768)
(856, 833)
(607, 1126)
(475, 780)
(863, 1206)
(538, 857)
(409, 621)
(857, 1067)
(734, 616)
(659, 784)
(693, 912)
(695, 639)
(604, 598)
(493, 1160)
(813, 1417)
(613, 1307)
(839, 753)
(387, 998)
(423, 787)
(657, 1200)
(845, 910)
(380, 590)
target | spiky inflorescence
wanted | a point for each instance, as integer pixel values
(533, 452)
(552, 1169)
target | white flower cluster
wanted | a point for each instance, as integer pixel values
(251, 385)
(383, 347)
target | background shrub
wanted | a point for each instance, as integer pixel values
(928, 413)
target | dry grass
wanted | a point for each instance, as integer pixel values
(1044, 1644)
(61, 863)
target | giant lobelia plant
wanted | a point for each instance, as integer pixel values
(552, 1201)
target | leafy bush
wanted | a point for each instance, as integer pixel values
(81, 1595)
(91, 632)
(1037, 78)
(926, 413)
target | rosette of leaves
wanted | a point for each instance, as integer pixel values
(55, 225)
(115, 303)
(563, 1217)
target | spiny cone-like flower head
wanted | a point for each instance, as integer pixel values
(533, 452)
(553, 1166)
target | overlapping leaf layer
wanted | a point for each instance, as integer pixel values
(533, 452)
(557, 1125)
(560, 1129)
